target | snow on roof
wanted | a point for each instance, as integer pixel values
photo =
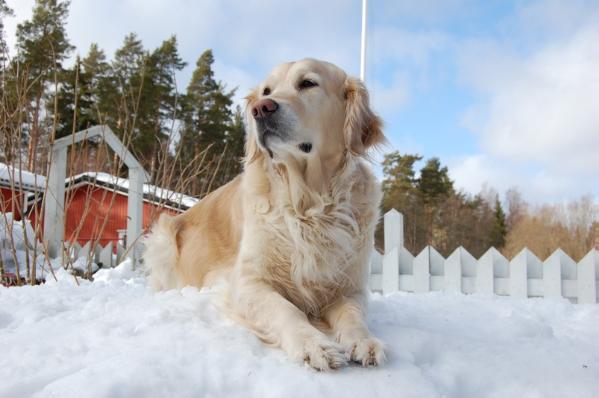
(150, 191)
(11, 175)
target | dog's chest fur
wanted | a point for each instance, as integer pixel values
(315, 257)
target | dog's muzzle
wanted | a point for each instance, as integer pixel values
(266, 113)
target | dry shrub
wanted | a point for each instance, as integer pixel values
(544, 229)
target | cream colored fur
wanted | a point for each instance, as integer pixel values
(291, 236)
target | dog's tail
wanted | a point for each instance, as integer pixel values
(161, 255)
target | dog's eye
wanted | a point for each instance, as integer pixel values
(266, 91)
(304, 84)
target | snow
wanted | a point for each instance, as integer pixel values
(11, 175)
(114, 337)
(17, 245)
(17, 242)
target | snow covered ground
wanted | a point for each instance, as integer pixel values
(115, 338)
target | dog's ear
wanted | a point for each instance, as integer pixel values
(363, 129)
(252, 152)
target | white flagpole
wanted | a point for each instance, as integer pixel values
(363, 42)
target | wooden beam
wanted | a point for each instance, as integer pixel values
(54, 202)
(110, 138)
(54, 210)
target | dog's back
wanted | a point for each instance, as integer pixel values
(192, 247)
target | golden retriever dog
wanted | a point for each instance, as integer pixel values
(291, 236)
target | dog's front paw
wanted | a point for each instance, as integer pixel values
(323, 355)
(368, 351)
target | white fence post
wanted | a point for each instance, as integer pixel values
(54, 202)
(393, 244)
(393, 230)
(135, 212)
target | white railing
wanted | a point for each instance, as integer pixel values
(524, 276)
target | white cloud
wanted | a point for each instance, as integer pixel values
(537, 112)
(248, 38)
(394, 44)
(545, 108)
(474, 173)
(427, 11)
(389, 98)
(243, 80)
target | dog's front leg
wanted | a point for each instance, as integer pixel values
(346, 318)
(278, 321)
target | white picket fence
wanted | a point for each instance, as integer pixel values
(108, 256)
(524, 276)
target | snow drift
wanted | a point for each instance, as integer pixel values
(114, 337)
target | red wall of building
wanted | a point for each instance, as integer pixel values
(105, 215)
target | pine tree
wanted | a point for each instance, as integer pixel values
(6, 140)
(434, 186)
(85, 95)
(207, 121)
(5, 11)
(160, 105)
(102, 87)
(499, 228)
(434, 183)
(235, 147)
(400, 179)
(165, 62)
(74, 102)
(148, 103)
(400, 193)
(43, 45)
(129, 75)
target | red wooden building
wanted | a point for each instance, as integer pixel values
(95, 204)
(17, 190)
(96, 207)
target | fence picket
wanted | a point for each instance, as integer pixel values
(519, 274)
(485, 272)
(105, 257)
(588, 269)
(120, 253)
(552, 274)
(391, 271)
(74, 250)
(406, 262)
(453, 271)
(421, 267)
(85, 250)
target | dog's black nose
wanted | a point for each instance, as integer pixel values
(264, 108)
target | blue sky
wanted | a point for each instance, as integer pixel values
(505, 93)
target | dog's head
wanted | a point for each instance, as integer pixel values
(309, 110)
